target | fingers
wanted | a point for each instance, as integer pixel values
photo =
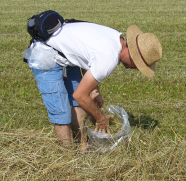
(109, 116)
(108, 130)
(103, 130)
(96, 129)
(96, 97)
(104, 125)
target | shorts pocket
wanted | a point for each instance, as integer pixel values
(54, 100)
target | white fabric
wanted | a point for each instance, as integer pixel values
(89, 46)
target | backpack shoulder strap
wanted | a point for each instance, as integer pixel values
(73, 21)
(60, 53)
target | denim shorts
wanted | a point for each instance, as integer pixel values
(57, 93)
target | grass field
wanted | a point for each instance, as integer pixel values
(156, 107)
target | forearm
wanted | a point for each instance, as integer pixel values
(82, 96)
(88, 105)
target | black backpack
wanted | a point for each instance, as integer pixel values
(43, 25)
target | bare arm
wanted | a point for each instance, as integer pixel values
(82, 96)
(95, 94)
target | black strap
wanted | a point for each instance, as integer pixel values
(73, 21)
(60, 53)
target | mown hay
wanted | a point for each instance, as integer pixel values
(37, 155)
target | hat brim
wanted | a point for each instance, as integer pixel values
(132, 32)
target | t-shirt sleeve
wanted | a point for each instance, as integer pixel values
(102, 65)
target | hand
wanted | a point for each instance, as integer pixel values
(103, 126)
(97, 98)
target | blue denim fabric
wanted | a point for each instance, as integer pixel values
(57, 93)
(74, 78)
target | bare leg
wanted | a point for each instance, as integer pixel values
(64, 133)
(78, 116)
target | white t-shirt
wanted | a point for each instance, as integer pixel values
(89, 46)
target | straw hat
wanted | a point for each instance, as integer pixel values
(145, 50)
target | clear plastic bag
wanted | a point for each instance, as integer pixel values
(40, 56)
(104, 142)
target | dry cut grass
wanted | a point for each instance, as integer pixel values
(36, 155)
